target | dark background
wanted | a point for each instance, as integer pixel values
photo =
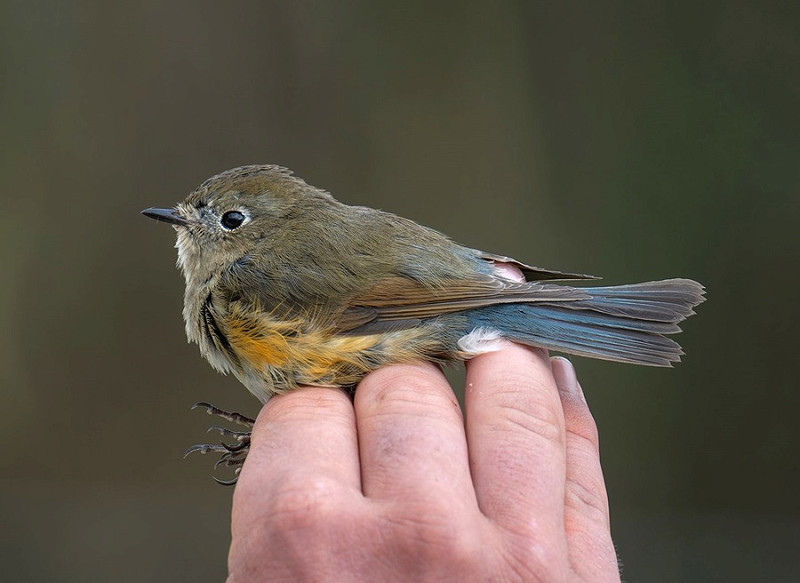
(636, 140)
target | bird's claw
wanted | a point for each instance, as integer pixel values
(233, 454)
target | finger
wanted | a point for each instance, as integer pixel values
(515, 431)
(411, 436)
(586, 516)
(301, 438)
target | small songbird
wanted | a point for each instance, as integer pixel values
(286, 286)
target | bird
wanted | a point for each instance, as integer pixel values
(286, 287)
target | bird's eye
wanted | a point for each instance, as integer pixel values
(232, 219)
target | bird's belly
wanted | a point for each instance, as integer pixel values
(280, 357)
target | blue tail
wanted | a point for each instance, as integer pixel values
(625, 323)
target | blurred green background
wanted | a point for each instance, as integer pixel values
(636, 140)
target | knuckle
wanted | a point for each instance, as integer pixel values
(542, 420)
(304, 504)
(533, 416)
(401, 389)
(307, 403)
(586, 498)
(415, 389)
(581, 424)
(534, 562)
(429, 536)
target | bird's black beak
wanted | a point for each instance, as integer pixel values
(171, 216)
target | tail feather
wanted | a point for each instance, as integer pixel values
(670, 300)
(624, 323)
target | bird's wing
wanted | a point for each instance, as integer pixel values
(406, 301)
(534, 273)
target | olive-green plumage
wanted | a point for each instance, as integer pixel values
(287, 286)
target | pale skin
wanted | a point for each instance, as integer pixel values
(396, 486)
(400, 485)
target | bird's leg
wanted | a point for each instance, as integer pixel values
(233, 454)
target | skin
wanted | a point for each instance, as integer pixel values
(397, 487)
(400, 485)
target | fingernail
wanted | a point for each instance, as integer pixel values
(565, 377)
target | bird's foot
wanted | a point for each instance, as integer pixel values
(232, 454)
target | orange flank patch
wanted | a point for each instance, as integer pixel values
(296, 352)
(268, 343)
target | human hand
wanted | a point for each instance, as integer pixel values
(397, 486)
